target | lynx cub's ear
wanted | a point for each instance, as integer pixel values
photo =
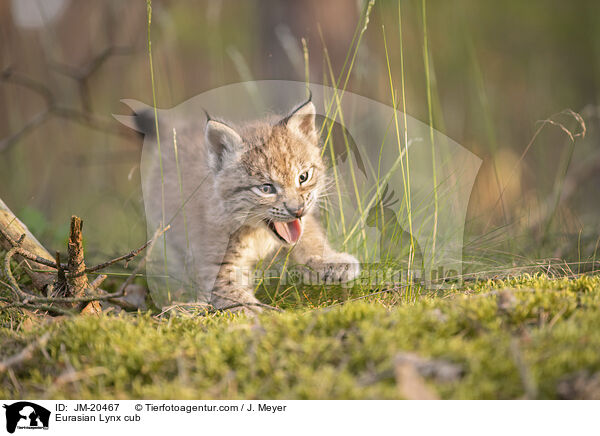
(302, 121)
(220, 140)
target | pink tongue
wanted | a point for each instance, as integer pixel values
(291, 231)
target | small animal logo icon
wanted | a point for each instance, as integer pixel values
(26, 415)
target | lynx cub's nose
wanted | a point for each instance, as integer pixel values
(295, 210)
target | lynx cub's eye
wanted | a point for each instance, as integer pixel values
(305, 176)
(265, 189)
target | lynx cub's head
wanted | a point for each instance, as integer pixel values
(268, 173)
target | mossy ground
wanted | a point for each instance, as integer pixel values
(513, 338)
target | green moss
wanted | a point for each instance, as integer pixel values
(345, 351)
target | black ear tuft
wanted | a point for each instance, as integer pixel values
(302, 120)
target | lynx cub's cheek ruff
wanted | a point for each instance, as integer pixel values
(262, 184)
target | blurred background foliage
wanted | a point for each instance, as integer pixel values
(496, 69)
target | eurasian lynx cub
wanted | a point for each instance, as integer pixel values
(261, 183)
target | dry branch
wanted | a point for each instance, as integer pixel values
(11, 230)
(65, 286)
(77, 281)
(126, 257)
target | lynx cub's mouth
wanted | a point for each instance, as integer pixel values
(289, 232)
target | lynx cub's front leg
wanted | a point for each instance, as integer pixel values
(233, 289)
(233, 292)
(320, 261)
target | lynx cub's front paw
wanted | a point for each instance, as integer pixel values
(236, 300)
(335, 268)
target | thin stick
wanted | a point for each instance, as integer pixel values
(9, 275)
(127, 257)
(140, 265)
(24, 253)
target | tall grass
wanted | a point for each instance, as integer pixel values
(431, 136)
(180, 183)
(403, 152)
(404, 109)
(162, 178)
(331, 118)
